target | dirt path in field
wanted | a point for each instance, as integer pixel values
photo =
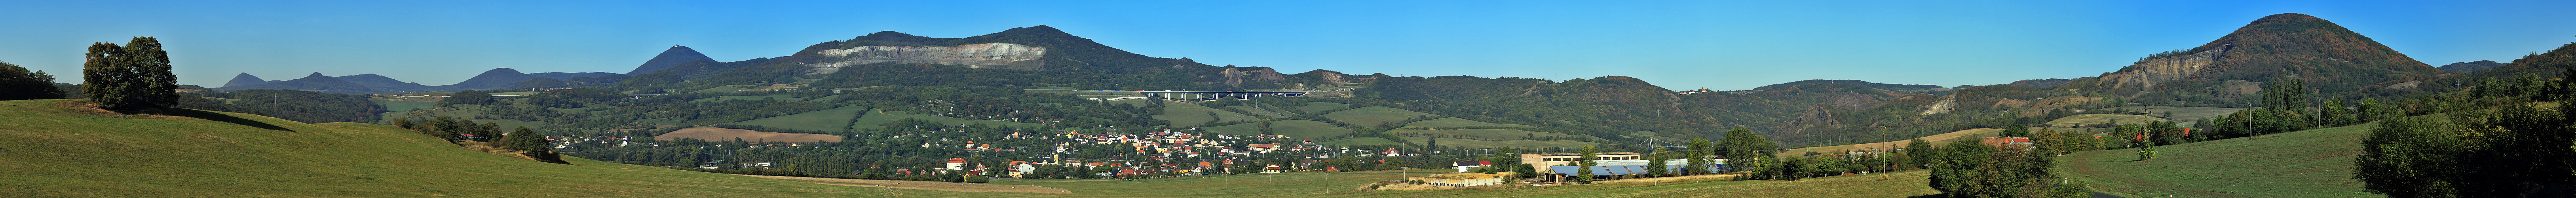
(926, 185)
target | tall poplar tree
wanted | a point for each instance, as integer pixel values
(1699, 148)
(1584, 165)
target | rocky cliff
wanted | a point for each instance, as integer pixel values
(984, 55)
(2333, 60)
(2147, 73)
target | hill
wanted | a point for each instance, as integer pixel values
(55, 151)
(245, 79)
(1901, 88)
(314, 82)
(491, 79)
(2334, 60)
(2466, 67)
(669, 57)
(382, 83)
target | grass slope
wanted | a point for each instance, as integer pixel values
(48, 150)
(2310, 163)
(401, 106)
(1459, 122)
(1372, 116)
(1258, 111)
(1189, 115)
(834, 119)
(1313, 108)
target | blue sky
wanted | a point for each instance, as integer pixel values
(1723, 45)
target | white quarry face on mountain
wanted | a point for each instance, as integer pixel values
(988, 55)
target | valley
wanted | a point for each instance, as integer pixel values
(2286, 105)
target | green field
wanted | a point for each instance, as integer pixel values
(400, 106)
(779, 97)
(1372, 116)
(1523, 144)
(1488, 134)
(720, 89)
(835, 119)
(1188, 115)
(881, 117)
(47, 150)
(1301, 129)
(1313, 108)
(1258, 111)
(1460, 122)
(2072, 121)
(2311, 163)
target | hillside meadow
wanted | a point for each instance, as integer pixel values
(48, 149)
(2309, 163)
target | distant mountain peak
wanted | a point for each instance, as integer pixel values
(245, 79)
(491, 79)
(887, 34)
(2466, 67)
(1040, 30)
(673, 56)
(312, 82)
(1901, 88)
(2274, 48)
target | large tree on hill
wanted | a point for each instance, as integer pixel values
(132, 78)
(20, 83)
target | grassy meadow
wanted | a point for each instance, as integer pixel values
(834, 119)
(1189, 115)
(1312, 108)
(1372, 116)
(47, 149)
(2310, 163)
(1459, 122)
